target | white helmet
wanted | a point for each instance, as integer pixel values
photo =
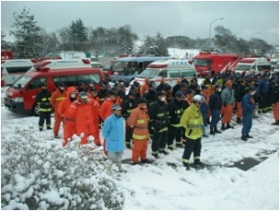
(197, 98)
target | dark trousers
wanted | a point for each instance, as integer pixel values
(44, 116)
(174, 133)
(215, 118)
(192, 145)
(128, 135)
(159, 142)
(247, 123)
(263, 101)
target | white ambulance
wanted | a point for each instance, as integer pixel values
(12, 69)
(252, 65)
(170, 70)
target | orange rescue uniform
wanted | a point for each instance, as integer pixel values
(56, 98)
(69, 128)
(138, 120)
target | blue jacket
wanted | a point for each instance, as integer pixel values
(113, 131)
(263, 86)
(247, 105)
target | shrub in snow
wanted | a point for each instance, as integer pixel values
(38, 175)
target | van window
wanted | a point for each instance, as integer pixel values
(264, 67)
(21, 81)
(36, 83)
(174, 74)
(187, 73)
(163, 74)
(73, 80)
(17, 69)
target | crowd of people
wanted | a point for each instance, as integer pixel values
(171, 117)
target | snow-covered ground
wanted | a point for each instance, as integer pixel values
(223, 186)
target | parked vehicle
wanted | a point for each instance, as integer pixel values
(6, 54)
(212, 63)
(96, 64)
(20, 97)
(254, 64)
(12, 69)
(127, 68)
(169, 70)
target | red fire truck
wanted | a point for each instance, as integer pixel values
(212, 63)
(6, 54)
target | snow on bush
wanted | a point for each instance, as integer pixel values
(47, 176)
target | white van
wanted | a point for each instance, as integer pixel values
(250, 65)
(171, 70)
(12, 69)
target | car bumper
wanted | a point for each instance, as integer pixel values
(15, 107)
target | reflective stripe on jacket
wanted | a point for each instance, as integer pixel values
(139, 120)
(192, 122)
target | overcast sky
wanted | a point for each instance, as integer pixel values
(244, 19)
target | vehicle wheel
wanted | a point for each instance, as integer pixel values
(35, 110)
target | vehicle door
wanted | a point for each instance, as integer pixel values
(31, 90)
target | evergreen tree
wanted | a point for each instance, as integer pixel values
(155, 46)
(27, 35)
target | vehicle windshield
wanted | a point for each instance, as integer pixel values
(125, 66)
(18, 69)
(22, 81)
(242, 67)
(200, 62)
(149, 73)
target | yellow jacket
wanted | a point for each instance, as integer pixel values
(192, 121)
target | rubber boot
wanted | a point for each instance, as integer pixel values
(212, 132)
(243, 137)
(223, 127)
(217, 131)
(238, 121)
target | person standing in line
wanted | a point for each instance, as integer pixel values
(192, 121)
(106, 110)
(175, 110)
(145, 86)
(215, 106)
(248, 107)
(204, 107)
(127, 107)
(158, 115)
(69, 121)
(228, 102)
(276, 103)
(240, 92)
(57, 96)
(138, 121)
(113, 131)
(43, 100)
(82, 110)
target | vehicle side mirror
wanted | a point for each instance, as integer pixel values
(19, 86)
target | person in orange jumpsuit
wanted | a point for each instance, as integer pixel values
(92, 94)
(106, 110)
(69, 124)
(138, 120)
(145, 87)
(83, 110)
(57, 96)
